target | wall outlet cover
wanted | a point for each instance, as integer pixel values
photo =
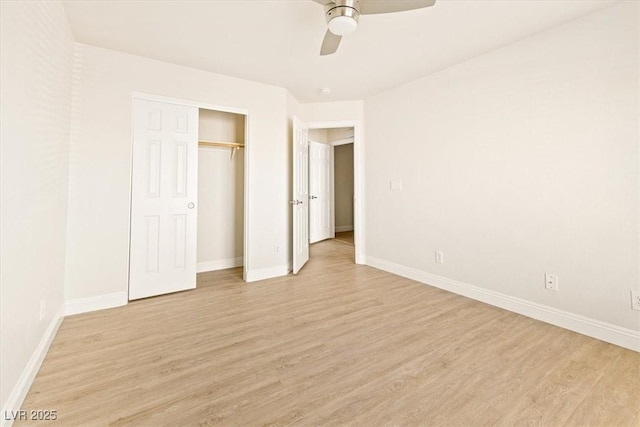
(635, 300)
(551, 282)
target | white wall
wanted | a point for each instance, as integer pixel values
(332, 111)
(36, 48)
(220, 192)
(343, 183)
(515, 163)
(99, 189)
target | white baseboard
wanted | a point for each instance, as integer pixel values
(20, 390)
(266, 273)
(220, 264)
(613, 334)
(100, 302)
(341, 228)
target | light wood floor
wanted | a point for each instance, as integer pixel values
(339, 344)
(345, 236)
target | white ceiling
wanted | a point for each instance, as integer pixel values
(278, 42)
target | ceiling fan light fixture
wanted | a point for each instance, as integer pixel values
(343, 25)
(342, 18)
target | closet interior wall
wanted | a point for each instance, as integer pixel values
(220, 191)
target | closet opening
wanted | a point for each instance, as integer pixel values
(221, 163)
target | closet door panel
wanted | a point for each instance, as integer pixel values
(163, 200)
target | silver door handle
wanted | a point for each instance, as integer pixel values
(295, 202)
(313, 197)
(191, 205)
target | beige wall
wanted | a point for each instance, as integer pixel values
(515, 163)
(220, 192)
(343, 186)
(35, 95)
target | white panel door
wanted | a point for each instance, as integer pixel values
(163, 199)
(319, 192)
(300, 202)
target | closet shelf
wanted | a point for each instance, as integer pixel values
(220, 144)
(235, 146)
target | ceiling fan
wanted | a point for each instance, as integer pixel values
(342, 16)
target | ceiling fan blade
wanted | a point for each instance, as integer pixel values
(371, 7)
(330, 43)
(324, 2)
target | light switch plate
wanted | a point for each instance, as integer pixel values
(395, 185)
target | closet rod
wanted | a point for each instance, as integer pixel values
(220, 144)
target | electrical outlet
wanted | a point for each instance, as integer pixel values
(277, 248)
(635, 300)
(551, 282)
(43, 309)
(439, 257)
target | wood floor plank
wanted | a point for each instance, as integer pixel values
(614, 400)
(338, 344)
(566, 386)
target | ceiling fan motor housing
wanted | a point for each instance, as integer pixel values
(342, 16)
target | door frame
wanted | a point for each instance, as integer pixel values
(358, 180)
(247, 165)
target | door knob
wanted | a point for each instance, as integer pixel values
(191, 205)
(313, 197)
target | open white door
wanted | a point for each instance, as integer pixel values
(163, 199)
(300, 202)
(319, 192)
